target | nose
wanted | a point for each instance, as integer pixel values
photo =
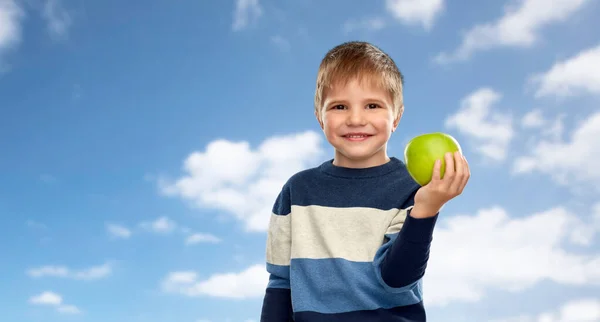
(356, 117)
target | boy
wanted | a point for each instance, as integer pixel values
(349, 240)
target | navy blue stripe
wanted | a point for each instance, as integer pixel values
(409, 313)
(319, 187)
(338, 285)
(282, 204)
(403, 258)
(277, 306)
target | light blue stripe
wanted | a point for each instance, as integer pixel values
(279, 276)
(338, 285)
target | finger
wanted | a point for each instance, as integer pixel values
(437, 166)
(459, 165)
(466, 174)
(450, 171)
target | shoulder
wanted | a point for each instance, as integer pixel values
(295, 186)
(303, 177)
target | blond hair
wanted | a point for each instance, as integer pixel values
(360, 60)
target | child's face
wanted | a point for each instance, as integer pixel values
(358, 119)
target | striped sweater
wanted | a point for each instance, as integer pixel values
(342, 246)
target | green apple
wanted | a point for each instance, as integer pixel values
(422, 151)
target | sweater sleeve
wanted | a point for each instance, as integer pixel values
(277, 304)
(402, 260)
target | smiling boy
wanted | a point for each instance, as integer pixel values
(349, 240)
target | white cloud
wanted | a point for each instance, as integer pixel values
(579, 310)
(162, 225)
(489, 130)
(520, 26)
(540, 125)
(10, 25)
(57, 18)
(68, 309)
(513, 254)
(246, 11)
(118, 231)
(416, 12)
(201, 238)
(369, 24)
(49, 298)
(533, 119)
(232, 177)
(576, 75)
(249, 283)
(571, 161)
(91, 273)
(46, 298)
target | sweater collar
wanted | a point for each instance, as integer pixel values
(329, 168)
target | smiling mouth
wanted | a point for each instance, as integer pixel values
(356, 136)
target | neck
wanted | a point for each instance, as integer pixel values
(375, 160)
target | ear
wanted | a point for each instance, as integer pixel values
(398, 118)
(318, 117)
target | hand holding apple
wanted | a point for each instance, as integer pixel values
(436, 162)
(430, 198)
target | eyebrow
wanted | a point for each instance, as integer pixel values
(343, 101)
(336, 101)
(376, 100)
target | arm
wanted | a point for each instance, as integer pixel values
(406, 259)
(277, 304)
(402, 259)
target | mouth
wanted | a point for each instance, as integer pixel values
(356, 136)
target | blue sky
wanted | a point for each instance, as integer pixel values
(142, 146)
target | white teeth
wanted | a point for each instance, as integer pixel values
(356, 136)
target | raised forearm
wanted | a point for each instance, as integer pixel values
(406, 259)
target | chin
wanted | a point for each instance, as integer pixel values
(361, 156)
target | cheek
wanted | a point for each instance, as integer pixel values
(384, 124)
(330, 123)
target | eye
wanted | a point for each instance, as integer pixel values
(338, 107)
(372, 105)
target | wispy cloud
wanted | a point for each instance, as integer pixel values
(162, 225)
(577, 310)
(576, 75)
(118, 231)
(245, 13)
(91, 273)
(36, 225)
(197, 238)
(57, 19)
(569, 161)
(249, 283)
(11, 16)
(368, 24)
(416, 12)
(520, 26)
(280, 42)
(488, 129)
(52, 299)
